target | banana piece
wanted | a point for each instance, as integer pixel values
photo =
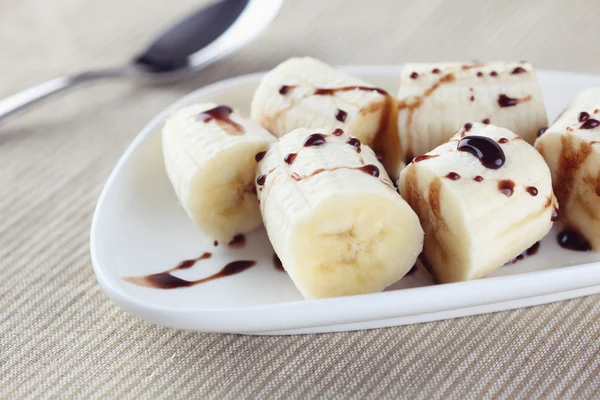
(435, 100)
(307, 93)
(571, 147)
(483, 198)
(333, 216)
(209, 153)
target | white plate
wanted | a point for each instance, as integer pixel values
(139, 229)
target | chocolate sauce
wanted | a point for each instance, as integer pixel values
(529, 252)
(485, 149)
(216, 242)
(436, 71)
(261, 180)
(370, 169)
(467, 127)
(555, 215)
(480, 74)
(355, 142)
(583, 116)
(486, 121)
(221, 114)
(532, 190)
(493, 73)
(424, 157)
(330, 91)
(478, 178)
(316, 139)
(289, 158)
(507, 187)
(505, 101)
(571, 240)
(472, 98)
(414, 75)
(503, 140)
(337, 132)
(341, 115)
(285, 89)
(277, 263)
(590, 124)
(260, 155)
(541, 131)
(164, 280)
(453, 176)
(238, 241)
(518, 70)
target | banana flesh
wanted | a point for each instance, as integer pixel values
(333, 215)
(435, 100)
(306, 93)
(478, 216)
(571, 147)
(209, 153)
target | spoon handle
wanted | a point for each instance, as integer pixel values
(36, 93)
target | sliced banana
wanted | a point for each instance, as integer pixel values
(333, 216)
(435, 100)
(571, 147)
(483, 198)
(209, 153)
(307, 93)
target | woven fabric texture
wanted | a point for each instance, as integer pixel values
(60, 336)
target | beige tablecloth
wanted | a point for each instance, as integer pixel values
(59, 333)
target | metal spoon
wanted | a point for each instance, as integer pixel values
(194, 42)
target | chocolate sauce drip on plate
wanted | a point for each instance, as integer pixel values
(507, 187)
(484, 149)
(478, 178)
(261, 180)
(424, 157)
(316, 139)
(221, 114)
(583, 116)
(370, 169)
(529, 252)
(532, 190)
(277, 263)
(590, 124)
(355, 142)
(505, 101)
(260, 155)
(571, 240)
(285, 89)
(289, 158)
(453, 176)
(330, 91)
(541, 131)
(341, 115)
(518, 70)
(338, 132)
(238, 241)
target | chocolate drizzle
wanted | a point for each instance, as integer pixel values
(435, 71)
(506, 187)
(289, 158)
(503, 140)
(355, 142)
(424, 157)
(261, 180)
(285, 89)
(370, 169)
(341, 115)
(571, 240)
(414, 75)
(478, 178)
(337, 132)
(260, 155)
(453, 176)
(590, 123)
(221, 115)
(316, 139)
(532, 190)
(529, 252)
(505, 101)
(330, 91)
(518, 70)
(583, 116)
(484, 149)
(485, 121)
(238, 241)
(467, 127)
(216, 243)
